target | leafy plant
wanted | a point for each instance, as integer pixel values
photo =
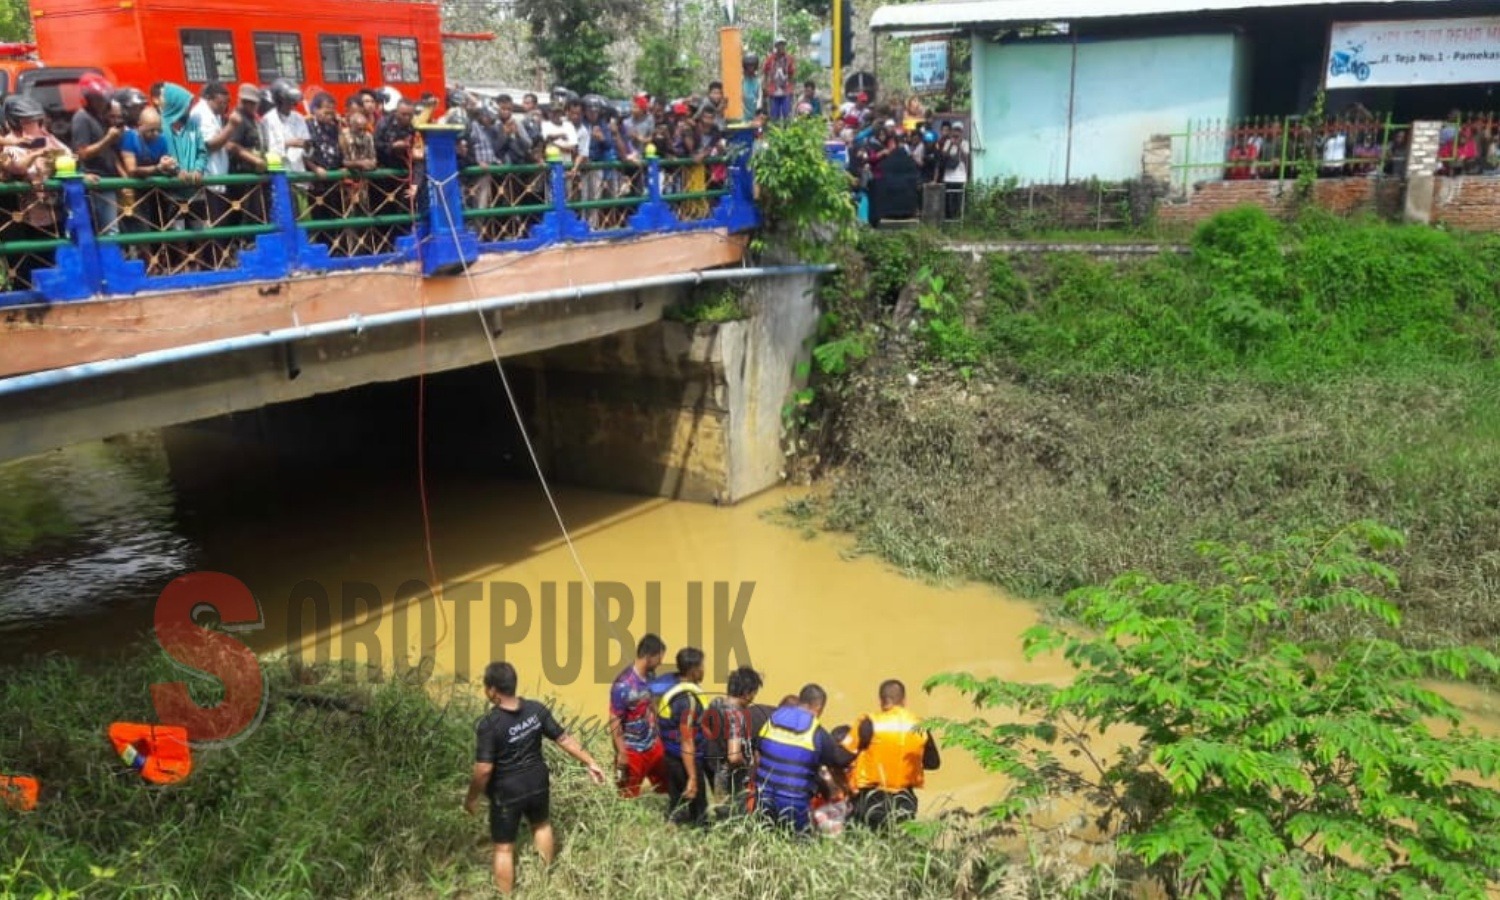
(1265, 764)
(836, 356)
(803, 195)
(943, 329)
(721, 306)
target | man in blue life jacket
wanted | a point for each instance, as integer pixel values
(679, 712)
(793, 746)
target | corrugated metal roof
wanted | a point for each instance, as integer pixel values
(950, 13)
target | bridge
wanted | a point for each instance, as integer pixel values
(138, 304)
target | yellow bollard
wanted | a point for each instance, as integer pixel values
(732, 72)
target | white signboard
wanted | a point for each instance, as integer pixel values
(1401, 54)
(929, 66)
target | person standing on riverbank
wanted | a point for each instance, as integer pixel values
(632, 722)
(728, 729)
(894, 752)
(680, 713)
(510, 769)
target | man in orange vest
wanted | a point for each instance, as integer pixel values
(894, 752)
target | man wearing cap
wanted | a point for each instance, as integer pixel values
(246, 150)
(780, 81)
(640, 125)
(246, 147)
(96, 140)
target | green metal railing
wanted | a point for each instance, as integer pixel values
(1278, 148)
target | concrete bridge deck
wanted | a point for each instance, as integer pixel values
(117, 324)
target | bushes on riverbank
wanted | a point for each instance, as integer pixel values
(354, 791)
(1075, 418)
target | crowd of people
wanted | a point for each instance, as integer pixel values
(1356, 142)
(778, 764)
(372, 144)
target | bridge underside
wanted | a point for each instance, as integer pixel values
(50, 337)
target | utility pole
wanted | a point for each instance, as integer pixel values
(837, 88)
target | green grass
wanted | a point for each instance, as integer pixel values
(364, 801)
(1081, 418)
(723, 305)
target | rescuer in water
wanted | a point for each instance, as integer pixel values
(510, 768)
(894, 752)
(792, 747)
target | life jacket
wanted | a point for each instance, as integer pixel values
(893, 761)
(668, 724)
(159, 752)
(19, 792)
(788, 754)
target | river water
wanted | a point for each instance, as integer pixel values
(107, 525)
(732, 580)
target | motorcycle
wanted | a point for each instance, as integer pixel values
(1347, 62)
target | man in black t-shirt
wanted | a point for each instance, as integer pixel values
(510, 768)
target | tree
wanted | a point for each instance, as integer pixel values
(15, 20)
(573, 37)
(664, 69)
(1268, 763)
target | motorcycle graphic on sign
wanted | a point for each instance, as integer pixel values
(1348, 62)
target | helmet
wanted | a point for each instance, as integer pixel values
(593, 102)
(19, 107)
(283, 91)
(94, 83)
(457, 97)
(130, 98)
(751, 59)
(392, 98)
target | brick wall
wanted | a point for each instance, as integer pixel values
(1470, 202)
(1345, 196)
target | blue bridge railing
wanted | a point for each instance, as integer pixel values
(75, 239)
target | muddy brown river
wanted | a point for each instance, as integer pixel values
(327, 557)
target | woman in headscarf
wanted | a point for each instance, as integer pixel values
(185, 142)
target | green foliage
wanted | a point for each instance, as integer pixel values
(349, 789)
(803, 196)
(573, 36)
(724, 305)
(665, 69)
(15, 20)
(1264, 765)
(1300, 301)
(942, 327)
(1308, 157)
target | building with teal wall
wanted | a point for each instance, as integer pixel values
(1071, 90)
(1054, 110)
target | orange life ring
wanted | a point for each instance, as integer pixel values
(159, 752)
(19, 792)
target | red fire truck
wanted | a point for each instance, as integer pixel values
(338, 46)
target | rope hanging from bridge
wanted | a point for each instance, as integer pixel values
(510, 395)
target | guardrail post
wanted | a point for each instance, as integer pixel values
(284, 213)
(653, 215)
(76, 272)
(451, 245)
(566, 224)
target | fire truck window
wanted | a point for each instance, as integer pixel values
(343, 60)
(278, 55)
(207, 55)
(398, 60)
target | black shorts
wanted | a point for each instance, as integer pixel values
(506, 814)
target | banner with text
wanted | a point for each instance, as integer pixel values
(1403, 54)
(929, 66)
